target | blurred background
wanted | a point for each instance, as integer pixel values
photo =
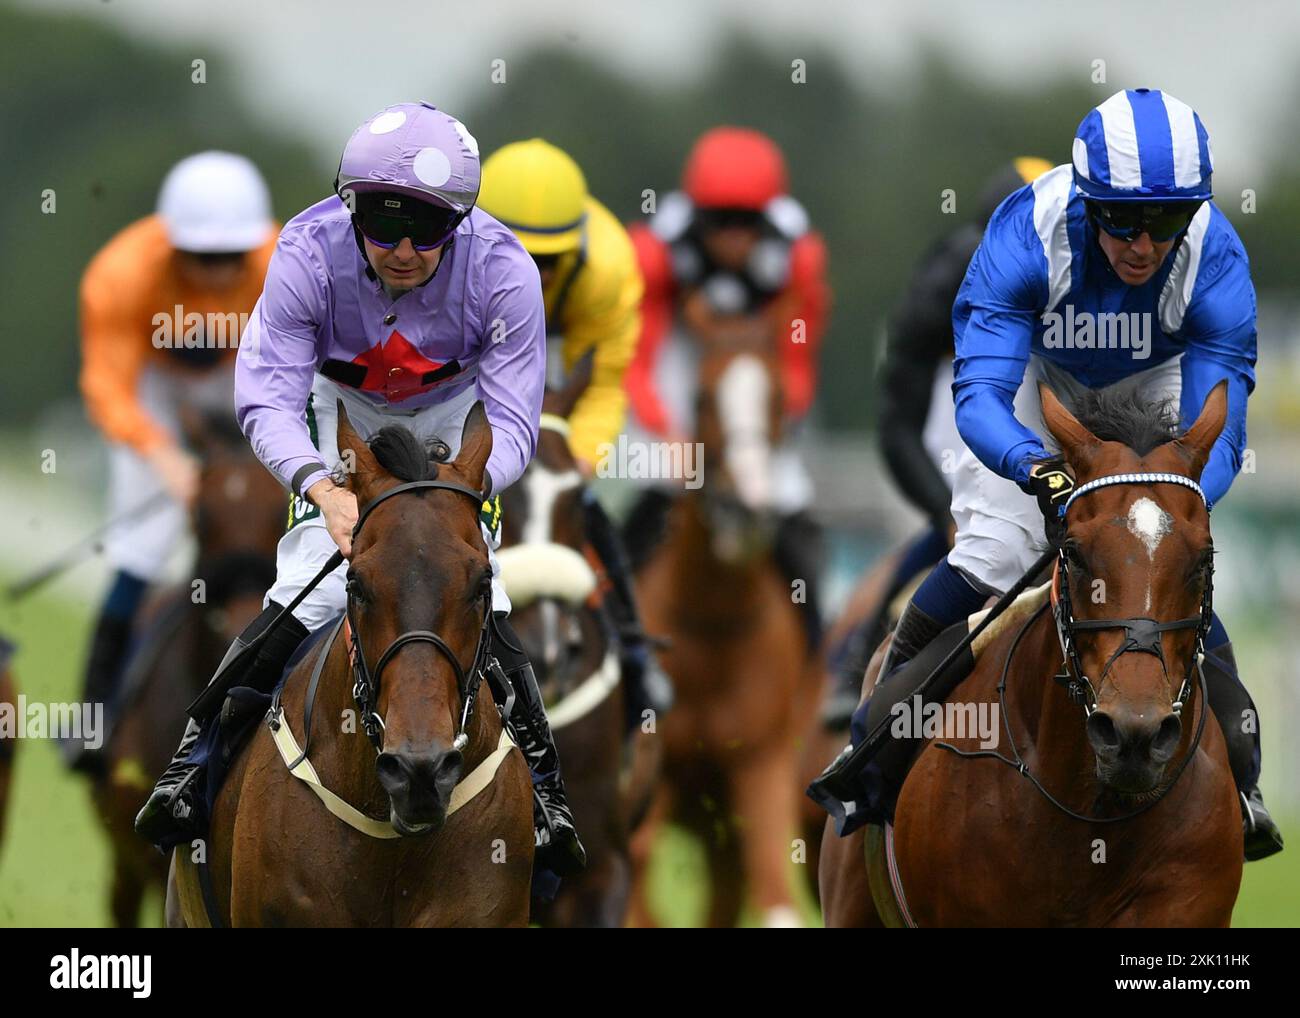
(900, 102)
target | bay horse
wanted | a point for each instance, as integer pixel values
(557, 591)
(745, 677)
(1129, 816)
(184, 630)
(438, 802)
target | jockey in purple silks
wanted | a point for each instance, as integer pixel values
(398, 298)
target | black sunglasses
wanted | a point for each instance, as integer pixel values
(1129, 220)
(726, 219)
(216, 259)
(427, 225)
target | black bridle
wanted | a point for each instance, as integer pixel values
(366, 681)
(1141, 635)
(365, 685)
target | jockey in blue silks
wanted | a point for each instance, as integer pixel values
(1126, 236)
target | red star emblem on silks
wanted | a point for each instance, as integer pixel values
(395, 368)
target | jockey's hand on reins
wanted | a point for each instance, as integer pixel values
(1051, 482)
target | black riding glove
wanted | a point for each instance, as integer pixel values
(1051, 483)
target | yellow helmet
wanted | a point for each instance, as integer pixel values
(539, 192)
(1031, 168)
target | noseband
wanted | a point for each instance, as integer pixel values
(1141, 635)
(365, 686)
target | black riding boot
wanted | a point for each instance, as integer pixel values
(645, 525)
(103, 669)
(167, 815)
(861, 785)
(105, 665)
(798, 552)
(848, 666)
(555, 836)
(646, 686)
(1237, 716)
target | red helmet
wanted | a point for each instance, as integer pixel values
(734, 168)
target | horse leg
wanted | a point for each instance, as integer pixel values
(597, 900)
(640, 845)
(845, 891)
(127, 893)
(725, 860)
(764, 789)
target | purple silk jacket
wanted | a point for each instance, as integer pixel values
(479, 321)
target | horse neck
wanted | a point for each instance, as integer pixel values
(344, 758)
(1045, 723)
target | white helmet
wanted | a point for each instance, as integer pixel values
(214, 202)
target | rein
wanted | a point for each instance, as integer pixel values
(1142, 635)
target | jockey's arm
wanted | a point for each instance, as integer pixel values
(657, 310)
(802, 322)
(276, 365)
(609, 320)
(113, 353)
(114, 334)
(512, 365)
(993, 319)
(1221, 343)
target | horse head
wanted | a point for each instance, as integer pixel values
(1135, 554)
(238, 519)
(419, 566)
(738, 424)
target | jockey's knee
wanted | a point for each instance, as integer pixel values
(995, 553)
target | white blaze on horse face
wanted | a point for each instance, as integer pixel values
(544, 487)
(1149, 524)
(744, 401)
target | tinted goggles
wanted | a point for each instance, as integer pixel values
(729, 219)
(216, 259)
(1129, 220)
(385, 221)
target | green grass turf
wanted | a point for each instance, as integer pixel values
(54, 864)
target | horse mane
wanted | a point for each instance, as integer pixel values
(1124, 416)
(402, 454)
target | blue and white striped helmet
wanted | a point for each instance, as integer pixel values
(1142, 145)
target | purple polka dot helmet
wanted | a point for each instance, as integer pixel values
(412, 151)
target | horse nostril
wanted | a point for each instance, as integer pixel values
(449, 767)
(392, 774)
(1102, 733)
(1166, 738)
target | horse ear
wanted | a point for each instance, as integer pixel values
(562, 401)
(1199, 439)
(1077, 442)
(475, 446)
(359, 464)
